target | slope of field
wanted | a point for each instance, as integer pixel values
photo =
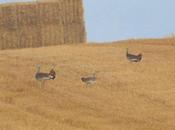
(126, 96)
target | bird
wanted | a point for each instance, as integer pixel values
(41, 76)
(89, 80)
(132, 57)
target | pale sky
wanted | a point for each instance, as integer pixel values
(111, 20)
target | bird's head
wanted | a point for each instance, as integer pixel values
(140, 54)
(52, 73)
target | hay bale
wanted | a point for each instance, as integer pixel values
(27, 14)
(9, 40)
(56, 35)
(73, 33)
(42, 23)
(29, 36)
(9, 18)
(50, 13)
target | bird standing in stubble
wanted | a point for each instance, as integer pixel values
(132, 57)
(89, 80)
(42, 77)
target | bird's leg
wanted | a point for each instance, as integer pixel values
(39, 83)
(87, 84)
(43, 82)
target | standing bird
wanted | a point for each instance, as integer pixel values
(89, 80)
(41, 76)
(133, 58)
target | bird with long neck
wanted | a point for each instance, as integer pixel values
(89, 80)
(41, 76)
(132, 57)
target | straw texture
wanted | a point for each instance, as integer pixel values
(41, 23)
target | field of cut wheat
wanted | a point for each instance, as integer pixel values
(126, 95)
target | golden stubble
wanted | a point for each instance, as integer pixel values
(126, 96)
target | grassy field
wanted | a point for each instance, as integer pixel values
(126, 96)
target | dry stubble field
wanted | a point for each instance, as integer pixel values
(126, 96)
